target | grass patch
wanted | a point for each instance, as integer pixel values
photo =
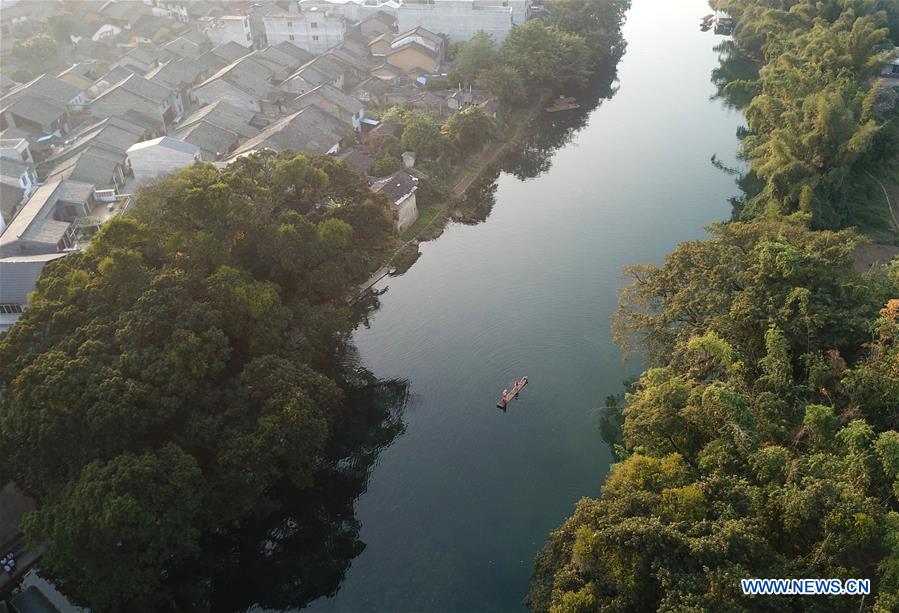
(869, 210)
(426, 215)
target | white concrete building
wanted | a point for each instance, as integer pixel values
(159, 156)
(227, 28)
(459, 20)
(353, 10)
(313, 29)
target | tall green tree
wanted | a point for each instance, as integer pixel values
(474, 56)
(183, 363)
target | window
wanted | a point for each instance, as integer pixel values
(289, 24)
(315, 38)
(313, 25)
(290, 36)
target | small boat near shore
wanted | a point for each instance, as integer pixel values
(509, 395)
(562, 103)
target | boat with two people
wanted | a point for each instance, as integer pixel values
(509, 395)
(562, 103)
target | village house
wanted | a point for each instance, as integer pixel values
(891, 68)
(227, 29)
(355, 61)
(151, 29)
(180, 75)
(81, 75)
(244, 83)
(358, 160)
(318, 71)
(184, 10)
(52, 89)
(45, 223)
(96, 154)
(280, 64)
(353, 11)
(16, 149)
(313, 29)
(416, 50)
(310, 130)
(459, 20)
(186, 48)
(20, 275)
(380, 45)
(387, 73)
(380, 22)
(400, 188)
(371, 91)
(229, 52)
(151, 158)
(332, 100)
(17, 182)
(141, 60)
(300, 55)
(160, 103)
(216, 129)
(33, 117)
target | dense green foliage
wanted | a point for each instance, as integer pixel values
(561, 51)
(813, 121)
(763, 441)
(764, 446)
(170, 380)
(36, 51)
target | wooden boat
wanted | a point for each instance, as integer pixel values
(511, 394)
(562, 103)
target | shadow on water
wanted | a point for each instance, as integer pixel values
(734, 79)
(301, 546)
(532, 156)
(734, 76)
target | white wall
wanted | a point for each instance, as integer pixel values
(221, 31)
(407, 213)
(149, 162)
(458, 19)
(313, 31)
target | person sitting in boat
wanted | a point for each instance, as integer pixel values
(505, 395)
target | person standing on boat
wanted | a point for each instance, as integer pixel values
(505, 395)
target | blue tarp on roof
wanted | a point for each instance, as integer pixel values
(370, 121)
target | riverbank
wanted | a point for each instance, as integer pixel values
(433, 217)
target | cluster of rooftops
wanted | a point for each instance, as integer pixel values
(75, 142)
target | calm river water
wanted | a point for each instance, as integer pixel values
(458, 506)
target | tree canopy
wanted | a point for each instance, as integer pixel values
(755, 449)
(813, 122)
(171, 379)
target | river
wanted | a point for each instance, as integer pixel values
(458, 506)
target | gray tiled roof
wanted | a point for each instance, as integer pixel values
(332, 94)
(397, 186)
(310, 130)
(224, 115)
(46, 86)
(230, 51)
(166, 142)
(20, 275)
(35, 221)
(36, 109)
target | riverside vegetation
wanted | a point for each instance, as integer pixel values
(763, 441)
(180, 398)
(567, 49)
(179, 382)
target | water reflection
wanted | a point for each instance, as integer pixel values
(734, 79)
(532, 156)
(734, 76)
(300, 547)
